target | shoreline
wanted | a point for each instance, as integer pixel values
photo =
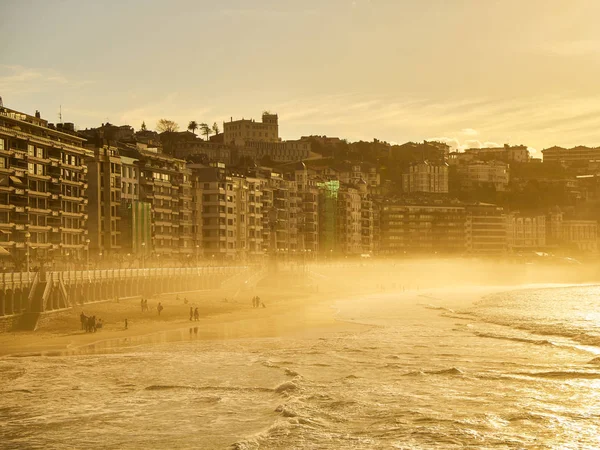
(294, 313)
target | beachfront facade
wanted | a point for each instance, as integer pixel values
(525, 232)
(485, 230)
(43, 183)
(420, 229)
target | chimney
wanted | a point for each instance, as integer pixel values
(37, 114)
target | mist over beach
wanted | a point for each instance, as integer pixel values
(343, 224)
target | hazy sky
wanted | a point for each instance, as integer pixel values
(525, 71)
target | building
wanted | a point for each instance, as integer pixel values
(328, 216)
(190, 147)
(571, 234)
(308, 215)
(580, 234)
(104, 194)
(282, 151)
(43, 183)
(165, 183)
(422, 228)
(476, 174)
(349, 221)
(216, 193)
(425, 177)
(508, 154)
(243, 130)
(580, 156)
(525, 232)
(486, 230)
(255, 218)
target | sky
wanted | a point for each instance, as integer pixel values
(469, 72)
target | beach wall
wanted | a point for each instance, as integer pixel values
(23, 305)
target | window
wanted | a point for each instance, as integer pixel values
(39, 152)
(2, 144)
(30, 167)
(30, 150)
(2, 160)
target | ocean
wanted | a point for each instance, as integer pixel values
(516, 369)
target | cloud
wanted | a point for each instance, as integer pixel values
(458, 146)
(538, 121)
(27, 80)
(469, 132)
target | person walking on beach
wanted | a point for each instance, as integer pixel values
(191, 313)
(142, 304)
(83, 319)
(159, 308)
(126, 324)
(196, 315)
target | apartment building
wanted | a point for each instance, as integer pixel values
(474, 174)
(349, 223)
(422, 228)
(308, 204)
(254, 218)
(507, 153)
(425, 177)
(43, 182)
(165, 183)
(214, 191)
(280, 151)
(580, 156)
(486, 230)
(104, 194)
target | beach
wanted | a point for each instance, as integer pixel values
(394, 366)
(221, 317)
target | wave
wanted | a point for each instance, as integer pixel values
(595, 361)
(166, 387)
(287, 386)
(562, 375)
(449, 371)
(515, 339)
(291, 373)
(270, 364)
(439, 308)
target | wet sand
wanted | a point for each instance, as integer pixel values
(221, 317)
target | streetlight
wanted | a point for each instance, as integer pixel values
(27, 236)
(197, 249)
(143, 255)
(87, 251)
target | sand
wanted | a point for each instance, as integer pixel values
(223, 315)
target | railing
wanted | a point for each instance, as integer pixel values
(14, 279)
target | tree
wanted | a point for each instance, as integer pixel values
(165, 125)
(193, 126)
(205, 130)
(143, 127)
(215, 128)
